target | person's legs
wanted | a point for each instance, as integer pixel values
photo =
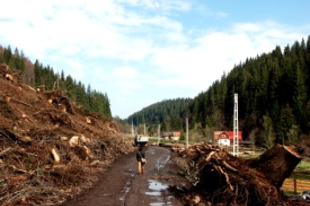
(139, 167)
(142, 168)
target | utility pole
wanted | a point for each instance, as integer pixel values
(186, 133)
(236, 130)
(158, 134)
(132, 130)
(146, 133)
(144, 129)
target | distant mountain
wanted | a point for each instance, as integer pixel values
(169, 113)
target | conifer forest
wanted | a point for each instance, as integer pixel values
(273, 100)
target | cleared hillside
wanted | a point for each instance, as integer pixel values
(50, 148)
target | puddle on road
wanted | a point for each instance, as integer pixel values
(126, 190)
(162, 162)
(156, 192)
(156, 188)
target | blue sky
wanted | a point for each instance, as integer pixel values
(141, 52)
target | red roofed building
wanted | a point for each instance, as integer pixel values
(172, 135)
(226, 138)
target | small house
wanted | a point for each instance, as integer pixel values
(223, 139)
(226, 138)
(172, 135)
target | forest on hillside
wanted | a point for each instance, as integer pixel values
(273, 100)
(37, 75)
(168, 113)
(273, 97)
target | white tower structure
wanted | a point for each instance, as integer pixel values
(236, 132)
(186, 133)
(158, 134)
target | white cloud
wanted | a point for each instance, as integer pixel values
(124, 73)
(126, 47)
(164, 5)
(217, 52)
(70, 50)
(222, 14)
(76, 69)
(125, 80)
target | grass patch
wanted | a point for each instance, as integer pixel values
(302, 170)
(303, 166)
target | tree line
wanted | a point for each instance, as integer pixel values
(37, 75)
(168, 113)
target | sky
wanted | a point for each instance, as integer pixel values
(140, 52)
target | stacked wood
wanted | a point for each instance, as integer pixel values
(223, 179)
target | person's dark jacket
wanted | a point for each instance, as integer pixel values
(140, 155)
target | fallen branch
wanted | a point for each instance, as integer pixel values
(14, 100)
(16, 169)
(209, 156)
(25, 116)
(229, 167)
(5, 151)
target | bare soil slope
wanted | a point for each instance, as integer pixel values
(50, 148)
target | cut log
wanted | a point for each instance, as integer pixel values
(88, 152)
(277, 163)
(55, 155)
(7, 99)
(88, 120)
(195, 200)
(82, 152)
(41, 88)
(9, 77)
(74, 141)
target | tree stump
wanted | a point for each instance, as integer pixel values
(222, 178)
(277, 163)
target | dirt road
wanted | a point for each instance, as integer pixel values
(122, 186)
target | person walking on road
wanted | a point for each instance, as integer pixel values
(140, 156)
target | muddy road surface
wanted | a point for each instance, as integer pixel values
(122, 186)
